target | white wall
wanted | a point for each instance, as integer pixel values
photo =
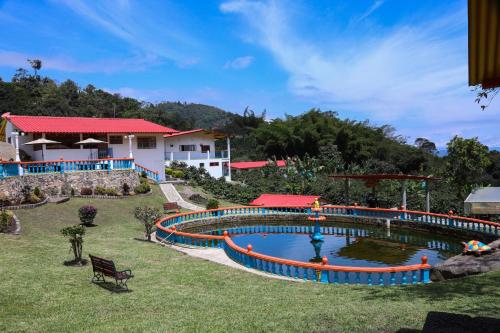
(196, 139)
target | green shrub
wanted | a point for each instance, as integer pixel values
(100, 190)
(86, 191)
(169, 171)
(111, 192)
(213, 204)
(143, 188)
(33, 199)
(37, 192)
(125, 188)
(196, 198)
(72, 192)
(178, 174)
(144, 174)
(87, 214)
(6, 220)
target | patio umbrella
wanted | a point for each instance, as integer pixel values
(41, 141)
(89, 141)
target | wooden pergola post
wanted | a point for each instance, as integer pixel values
(403, 188)
(427, 197)
(347, 184)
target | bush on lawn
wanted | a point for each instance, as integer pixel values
(87, 214)
(6, 221)
(213, 204)
(86, 191)
(100, 190)
(126, 189)
(144, 187)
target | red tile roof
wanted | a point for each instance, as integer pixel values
(284, 200)
(254, 164)
(40, 124)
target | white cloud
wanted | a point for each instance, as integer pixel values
(64, 63)
(155, 34)
(370, 10)
(414, 73)
(239, 63)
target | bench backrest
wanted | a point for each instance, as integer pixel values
(170, 205)
(104, 266)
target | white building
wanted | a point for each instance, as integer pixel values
(151, 146)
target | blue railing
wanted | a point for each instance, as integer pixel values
(167, 229)
(153, 175)
(9, 169)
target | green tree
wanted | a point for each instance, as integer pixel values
(75, 234)
(466, 162)
(148, 217)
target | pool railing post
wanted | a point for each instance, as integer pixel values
(324, 272)
(425, 272)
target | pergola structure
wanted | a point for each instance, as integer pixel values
(372, 180)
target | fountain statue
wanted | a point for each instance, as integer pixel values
(316, 209)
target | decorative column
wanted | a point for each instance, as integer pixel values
(130, 137)
(44, 148)
(229, 158)
(16, 142)
(20, 170)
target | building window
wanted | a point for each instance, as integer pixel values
(116, 139)
(205, 148)
(202, 165)
(214, 163)
(187, 147)
(146, 142)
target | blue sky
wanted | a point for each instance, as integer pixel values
(398, 62)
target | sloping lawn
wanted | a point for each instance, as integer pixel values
(175, 293)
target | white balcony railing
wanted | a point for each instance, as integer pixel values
(195, 155)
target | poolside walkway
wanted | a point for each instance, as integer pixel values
(173, 196)
(220, 257)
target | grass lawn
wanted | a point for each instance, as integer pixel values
(172, 292)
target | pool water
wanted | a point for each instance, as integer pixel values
(352, 244)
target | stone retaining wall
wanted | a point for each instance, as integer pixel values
(57, 184)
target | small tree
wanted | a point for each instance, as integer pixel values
(75, 234)
(147, 216)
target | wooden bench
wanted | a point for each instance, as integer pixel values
(104, 267)
(170, 207)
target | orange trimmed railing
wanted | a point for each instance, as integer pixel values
(167, 229)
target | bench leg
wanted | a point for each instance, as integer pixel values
(121, 284)
(98, 277)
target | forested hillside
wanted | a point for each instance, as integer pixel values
(320, 142)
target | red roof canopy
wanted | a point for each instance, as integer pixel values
(254, 164)
(40, 124)
(284, 200)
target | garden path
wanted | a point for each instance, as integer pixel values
(172, 195)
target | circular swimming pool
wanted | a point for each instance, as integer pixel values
(329, 244)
